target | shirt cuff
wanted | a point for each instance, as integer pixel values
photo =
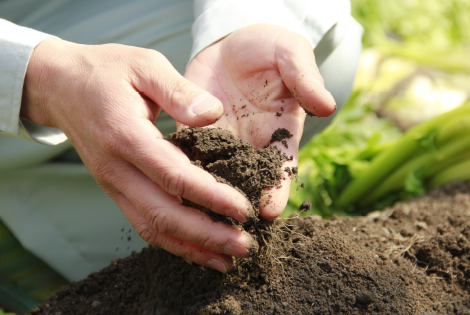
(309, 18)
(16, 45)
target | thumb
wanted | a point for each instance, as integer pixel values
(296, 63)
(183, 100)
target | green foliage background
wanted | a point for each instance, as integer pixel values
(415, 35)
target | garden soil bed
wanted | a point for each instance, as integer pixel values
(409, 259)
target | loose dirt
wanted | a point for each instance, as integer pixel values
(409, 259)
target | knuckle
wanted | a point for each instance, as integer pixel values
(103, 173)
(161, 223)
(173, 182)
(188, 253)
(207, 242)
(155, 55)
(206, 239)
(149, 235)
(209, 202)
(180, 92)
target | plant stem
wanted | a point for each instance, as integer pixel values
(390, 159)
(397, 179)
(435, 168)
(460, 171)
(451, 128)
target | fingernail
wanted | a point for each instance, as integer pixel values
(251, 211)
(204, 104)
(245, 214)
(237, 215)
(234, 249)
(251, 246)
(217, 265)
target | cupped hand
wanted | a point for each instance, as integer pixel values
(106, 99)
(266, 78)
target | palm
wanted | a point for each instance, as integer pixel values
(243, 73)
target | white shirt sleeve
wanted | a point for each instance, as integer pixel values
(215, 19)
(16, 45)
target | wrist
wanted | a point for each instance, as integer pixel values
(41, 75)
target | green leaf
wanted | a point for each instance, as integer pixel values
(428, 140)
(414, 181)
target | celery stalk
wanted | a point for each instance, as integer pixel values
(387, 161)
(458, 126)
(397, 178)
(459, 171)
(435, 168)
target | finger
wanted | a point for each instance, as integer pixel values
(166, 215)
(180, 98)
(144, 146)
(296, 63)
(274, 199)
(176, 246)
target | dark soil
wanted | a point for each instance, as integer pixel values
(232, 161)
(280, 135)
(409, 259)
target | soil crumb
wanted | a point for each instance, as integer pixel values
(280, 134)
(409, 259)
(305, 206)
(310, 114)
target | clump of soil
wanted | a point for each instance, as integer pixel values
(231, 161)
(236, 163)
(409, 259)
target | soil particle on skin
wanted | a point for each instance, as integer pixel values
(295, 170)
(278, 114)
(310, 114)
(409, 259)
(288, 170)
(280, 134)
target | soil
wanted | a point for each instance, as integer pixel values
(409, 259)
(234, 162)
(280, 135)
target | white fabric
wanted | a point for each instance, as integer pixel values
(16, 45)
(58, 212)
(338, 70)
(216, 19)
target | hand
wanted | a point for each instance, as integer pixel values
(261, 70)
(105, 99)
